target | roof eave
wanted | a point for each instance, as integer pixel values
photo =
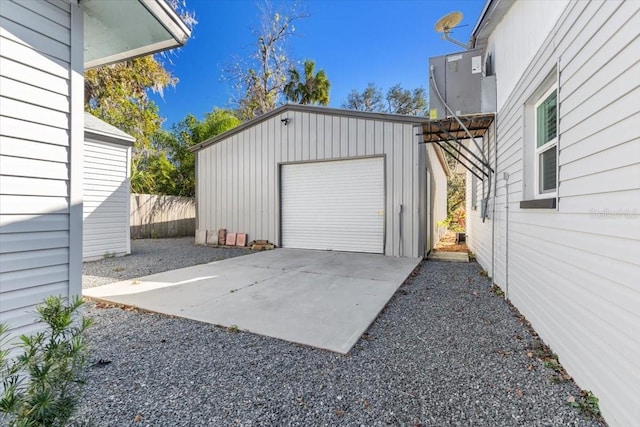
(492, 13)
(176, 31)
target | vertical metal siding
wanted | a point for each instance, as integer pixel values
(106, 200)
(572, 272)
(34, 156)
(247, 163)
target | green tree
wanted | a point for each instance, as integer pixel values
(398, 100)
(370, 99)
(118, 94)
(405, 101)
(260, 79)
(313, 90)
(169, 167)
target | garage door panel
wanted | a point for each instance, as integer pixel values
(336, 205)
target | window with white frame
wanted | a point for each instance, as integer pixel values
(546, 140)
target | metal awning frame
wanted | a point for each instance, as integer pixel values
(444, 138)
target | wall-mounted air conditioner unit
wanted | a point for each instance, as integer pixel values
(459, 82)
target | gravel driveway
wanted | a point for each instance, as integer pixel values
(445, 351)
(150, 256)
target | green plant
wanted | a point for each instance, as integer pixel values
(587, 403)
(108, 255)
(496, 290)
(233, 329)
(41, 384)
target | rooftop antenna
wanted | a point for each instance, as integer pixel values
(446, 24)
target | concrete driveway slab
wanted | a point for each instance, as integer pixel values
(367, 266)
(317, 298)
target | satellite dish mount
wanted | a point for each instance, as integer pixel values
(446, 24)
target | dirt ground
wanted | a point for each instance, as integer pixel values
(448, 244)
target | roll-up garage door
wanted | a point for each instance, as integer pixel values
(334, 205)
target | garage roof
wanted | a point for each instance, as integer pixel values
(310, 109)
(103, 131)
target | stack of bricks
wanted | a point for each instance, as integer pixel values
(222, 238)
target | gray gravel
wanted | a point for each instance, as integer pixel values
(150, 256)
(445, 351)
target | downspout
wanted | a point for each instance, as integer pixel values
(506, 235)
(400, 231)
(495, 188)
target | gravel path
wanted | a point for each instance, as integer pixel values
(150, 256)
(445, 351)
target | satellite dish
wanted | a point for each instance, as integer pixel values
(446, 24)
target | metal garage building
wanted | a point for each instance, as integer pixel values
(320, 178)
(106, 194)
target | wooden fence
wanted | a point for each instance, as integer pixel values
(155, 216)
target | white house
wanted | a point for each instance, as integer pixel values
(106, 190)
(322, 178)
(556, 223)
(45, 47)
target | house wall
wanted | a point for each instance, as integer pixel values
(237, 178)
(520, 39)
(479, 231)
(573, 271)
(106, 208)
(38, 202)
(438, 202)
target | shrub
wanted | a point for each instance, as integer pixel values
(41, 384)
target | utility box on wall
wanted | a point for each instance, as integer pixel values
(459, 80)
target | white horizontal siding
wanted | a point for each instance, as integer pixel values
(39, 22)
(237, 178)
(34, 157)
(14, 70)
(27, 186)
(19, 166)
(26, 55)
(105, 200)
(27, 36)
(37, 132)
(33, 223)
(13, 147)
(33, 259)
(573, 271)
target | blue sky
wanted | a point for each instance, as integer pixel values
(354, 41)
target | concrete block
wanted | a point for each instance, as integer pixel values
(241, 239)
(212, 237)
(201, 236)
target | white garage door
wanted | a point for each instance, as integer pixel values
(337, 205)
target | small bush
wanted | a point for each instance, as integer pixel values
(41, 385)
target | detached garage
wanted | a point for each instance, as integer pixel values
(319, 178)
(106, 194)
